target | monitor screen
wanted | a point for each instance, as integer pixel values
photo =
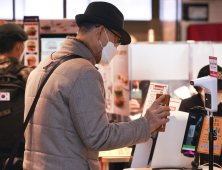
(192, 132)
(165, 151)
(207, 100)
(49, 45)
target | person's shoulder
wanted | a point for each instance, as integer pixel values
(5, 62)
(79, 68)
(190, 99)
(91, 73)
(188, 103)
(24, 72)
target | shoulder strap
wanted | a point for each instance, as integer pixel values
(17, 68)
(32, 109)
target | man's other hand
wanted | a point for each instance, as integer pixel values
(134, 106)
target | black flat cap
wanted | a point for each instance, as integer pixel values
(106, 14)
(12, 31)
(205, 71)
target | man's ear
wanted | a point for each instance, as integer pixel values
(99, 31)
(18, 45)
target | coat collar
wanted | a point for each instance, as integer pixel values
(72, 46)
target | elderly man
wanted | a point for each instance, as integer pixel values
(70, 124)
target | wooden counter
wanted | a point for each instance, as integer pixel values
(203, 168)
(114, 158)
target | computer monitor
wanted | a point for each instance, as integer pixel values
(192, 132)
(50, 43)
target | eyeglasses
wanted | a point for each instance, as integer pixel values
(119, 40)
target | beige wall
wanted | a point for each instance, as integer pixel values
(169, 30)
(139, 29)
(164, 31)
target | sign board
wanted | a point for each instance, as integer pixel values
(155, 88)
(203, 145)
(213, 66)
(31, 27)
(61, 26)
(174, 104)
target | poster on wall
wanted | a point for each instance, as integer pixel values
(67, 26)
(116, 83)
(203, 145)
(31, 27)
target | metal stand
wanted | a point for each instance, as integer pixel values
(195, 163)
(211, 143)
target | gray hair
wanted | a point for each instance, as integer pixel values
(86, 27)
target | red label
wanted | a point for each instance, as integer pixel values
(213, 66)
(215, 58)
(172, 108)
(158, 87)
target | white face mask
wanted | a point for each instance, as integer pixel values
(108, 52)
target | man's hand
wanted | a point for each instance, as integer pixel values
(134, 105)
(156, 114)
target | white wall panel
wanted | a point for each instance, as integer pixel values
(160, 61)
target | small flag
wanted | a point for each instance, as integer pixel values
(4, 96)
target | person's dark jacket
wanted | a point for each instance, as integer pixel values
(189, 103)
(195, 100)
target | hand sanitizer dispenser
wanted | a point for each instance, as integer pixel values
(210, 87)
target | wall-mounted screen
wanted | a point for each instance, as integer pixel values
(49, 45)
